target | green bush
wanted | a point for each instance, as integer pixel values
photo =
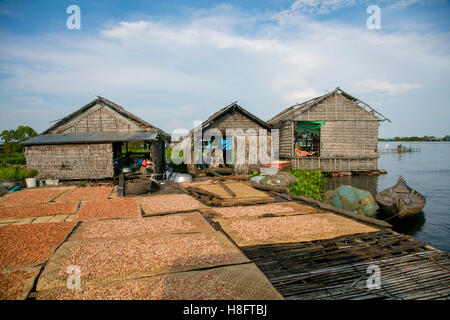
(180, 168)
(254, 174)
(310, 184)
(17, 173)
(14, 158)
(168, 152)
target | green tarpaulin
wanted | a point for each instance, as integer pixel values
(310, 126)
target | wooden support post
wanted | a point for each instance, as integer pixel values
(121, 187)
(227, 189)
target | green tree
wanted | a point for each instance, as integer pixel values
(12, 138)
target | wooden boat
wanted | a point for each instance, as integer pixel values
(400, 200)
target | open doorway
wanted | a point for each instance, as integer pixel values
(307, 138)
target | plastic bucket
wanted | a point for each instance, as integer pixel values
(31, 182)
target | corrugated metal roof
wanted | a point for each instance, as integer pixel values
(90, 137)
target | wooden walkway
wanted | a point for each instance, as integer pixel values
(337, 268)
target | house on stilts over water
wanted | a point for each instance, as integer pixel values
(87, 144)
(334, 132)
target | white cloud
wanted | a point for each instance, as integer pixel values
(374, 85)
(319, 7)
(171, 74)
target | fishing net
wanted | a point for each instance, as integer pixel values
(281, 179)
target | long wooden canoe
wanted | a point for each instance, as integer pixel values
(400, 200)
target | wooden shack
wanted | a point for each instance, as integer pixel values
(238, 127)
(334, 132)
(87, 144)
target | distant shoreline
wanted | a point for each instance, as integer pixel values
(415, 139)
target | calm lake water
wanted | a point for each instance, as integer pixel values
(427, 171)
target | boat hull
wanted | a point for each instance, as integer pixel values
(393, 210)
(400, 200)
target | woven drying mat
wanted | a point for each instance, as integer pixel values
(197, 183)
(109, 208)
(86, 194)
(104, 261)
(16, 283)
(273, 209)
(31, 244)
(38, 210)
(166, 203)
(299, 228)
(125, 228)
(301, 208)
(33, 196)
(241, 190)
(238, 282)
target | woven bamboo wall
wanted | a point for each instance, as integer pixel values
(286, 137)
(335, 107)
(99, 118)
(349, 133)
(350, 138)
(71, 161)
(234, 120)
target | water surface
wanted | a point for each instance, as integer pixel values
(427, 171)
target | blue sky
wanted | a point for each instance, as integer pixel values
(174, 62)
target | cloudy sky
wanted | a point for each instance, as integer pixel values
(173, 62)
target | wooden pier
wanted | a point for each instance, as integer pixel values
(338, 268)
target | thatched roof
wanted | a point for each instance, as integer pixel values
(141, 123)
(234, 107)
(289, 113)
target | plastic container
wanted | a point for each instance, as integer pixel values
(182, 177)
(51, 182)
(31, 182)
(16, 188)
